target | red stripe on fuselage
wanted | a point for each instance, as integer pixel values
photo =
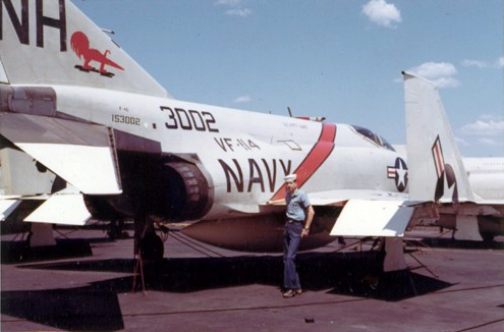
(315, 158)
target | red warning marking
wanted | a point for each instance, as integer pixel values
(437, 153)
(315, 158)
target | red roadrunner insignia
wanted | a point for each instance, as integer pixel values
(81, 47)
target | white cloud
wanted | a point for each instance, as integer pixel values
(241, 12)
(242, 99)
(490, 141)
(445, 82)
(486, 131)
(435, 69)
(490, 117)
(382, 13)
(461, 142)
(499, 63)
(228, 2)
(474, 63)
(440, 73)
(484, 127)
(235, 8)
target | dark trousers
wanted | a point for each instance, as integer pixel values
(292, 239)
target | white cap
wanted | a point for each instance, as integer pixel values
(290, 178)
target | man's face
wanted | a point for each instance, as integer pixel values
(291, 186)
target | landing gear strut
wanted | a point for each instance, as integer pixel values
(148, 248)
(116, 229)
(151, 247)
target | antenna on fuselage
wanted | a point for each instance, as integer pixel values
(109, 32)
(290, 112)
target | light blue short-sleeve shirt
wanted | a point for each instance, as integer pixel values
(297, 203)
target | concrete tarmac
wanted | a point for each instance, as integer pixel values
(85, 283)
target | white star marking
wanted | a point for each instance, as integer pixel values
(401, 175)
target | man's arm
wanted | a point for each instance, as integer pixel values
(310, 213)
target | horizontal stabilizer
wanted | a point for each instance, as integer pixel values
(373, 218)
(65, 209)
(80, 153)
(88, 168)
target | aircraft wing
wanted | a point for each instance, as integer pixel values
(387, 218)
(365, 212)
(80, 153)
(340, 197)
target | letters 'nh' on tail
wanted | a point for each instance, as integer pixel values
(436, 171)
(52, 42)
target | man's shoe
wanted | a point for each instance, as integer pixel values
(298, 291)
(289, 293)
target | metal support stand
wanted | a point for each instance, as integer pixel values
(139, 268)
(141, 226)
(423, 265)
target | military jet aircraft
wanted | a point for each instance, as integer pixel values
(86, 115)
(85, 132)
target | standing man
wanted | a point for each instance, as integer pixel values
(299, 217)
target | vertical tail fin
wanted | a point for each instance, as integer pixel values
(53, 42)
(436, 171)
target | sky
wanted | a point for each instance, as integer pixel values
(340, 59)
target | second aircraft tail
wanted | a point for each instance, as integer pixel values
(436, 171)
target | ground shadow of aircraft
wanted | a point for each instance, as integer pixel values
(75, 309)
(352, 273)
(96, 307)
